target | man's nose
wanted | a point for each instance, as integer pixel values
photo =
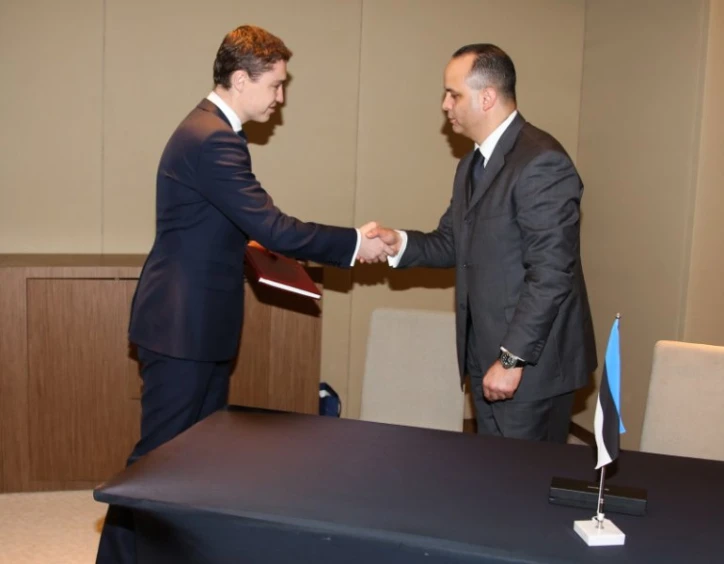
(445, 105)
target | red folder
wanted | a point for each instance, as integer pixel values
(276, 270)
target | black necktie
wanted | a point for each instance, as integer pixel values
(475, 172)
(242, 134)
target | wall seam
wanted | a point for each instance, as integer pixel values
(350, 324)
(104, 30)
(580, 88)
(695, 143)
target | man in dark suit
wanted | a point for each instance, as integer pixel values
(187, 312)
(512, 232)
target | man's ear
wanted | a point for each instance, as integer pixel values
(239, 79)
(488, 97)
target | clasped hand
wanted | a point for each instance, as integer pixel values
(377, 243)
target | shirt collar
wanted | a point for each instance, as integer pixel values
(488, 146)
(230, 114)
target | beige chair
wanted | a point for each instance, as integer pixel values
(411, 374)
(685, 407)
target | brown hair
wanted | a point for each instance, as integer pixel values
(248, 48)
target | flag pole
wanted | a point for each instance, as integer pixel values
(599, 513)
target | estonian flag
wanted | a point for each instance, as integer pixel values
(607, 424)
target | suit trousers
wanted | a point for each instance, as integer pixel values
(546, 419)
(176, 394)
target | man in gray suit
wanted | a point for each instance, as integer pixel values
(512, 232)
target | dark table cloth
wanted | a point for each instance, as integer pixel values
(262, 487)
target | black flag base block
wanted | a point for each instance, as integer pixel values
(579, 493)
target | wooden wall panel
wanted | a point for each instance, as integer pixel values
(83, 424)
(296, 332)
(280, 355)
(69, 382)
(13, 381)
(250, 378)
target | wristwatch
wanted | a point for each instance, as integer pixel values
(509, 360)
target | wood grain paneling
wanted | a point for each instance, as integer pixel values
(250, 378)
(279, 356)
(82, 424)
(69, 382)
(13, 381)
(295, 356)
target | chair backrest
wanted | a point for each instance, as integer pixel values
(411, 373)
(685, 406)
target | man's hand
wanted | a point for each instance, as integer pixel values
(389, 237)
(500, 383)
(373, 248)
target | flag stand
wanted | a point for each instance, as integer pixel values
(608, 426)
(599, 531)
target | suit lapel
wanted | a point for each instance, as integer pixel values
(208, 106)
(497, 160)
(460, 185)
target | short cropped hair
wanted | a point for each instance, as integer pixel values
(248, 48)
(492, 67)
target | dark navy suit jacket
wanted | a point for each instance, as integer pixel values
(190, 297)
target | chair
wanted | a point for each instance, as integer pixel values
(411, 372)
(685, 407)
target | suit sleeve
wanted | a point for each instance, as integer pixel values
(435, 249)
(547, 200)
(226, 180)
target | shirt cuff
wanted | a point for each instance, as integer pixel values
(356, 249)
(394, 261)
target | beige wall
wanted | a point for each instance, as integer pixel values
(92, 90)
(638, 155)
(51, 64)
(704, 321)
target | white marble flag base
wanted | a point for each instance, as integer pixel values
(606, 535)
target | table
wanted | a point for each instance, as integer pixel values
(264, 487)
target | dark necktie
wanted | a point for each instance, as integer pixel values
(475, 172)
(242, 135)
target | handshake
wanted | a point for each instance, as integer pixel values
(377, 243)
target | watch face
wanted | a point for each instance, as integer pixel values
(506, 360)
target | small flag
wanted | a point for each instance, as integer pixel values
(607, 423)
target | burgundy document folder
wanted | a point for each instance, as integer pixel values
(275, 270)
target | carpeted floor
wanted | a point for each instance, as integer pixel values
(50, 527)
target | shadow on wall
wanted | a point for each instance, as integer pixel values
(339, 280)
(458, 144)
(260, 133)
(582, 395)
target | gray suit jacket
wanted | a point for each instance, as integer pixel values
(516, 251)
